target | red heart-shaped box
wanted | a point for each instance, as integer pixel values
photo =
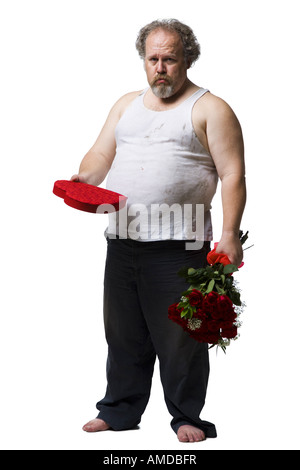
(89, 198)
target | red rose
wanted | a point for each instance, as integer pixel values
(226, 309)
(174, 314)
(210, 302)
(195, 298)
(226, 325)
(217, 314)
(204, 334)
(229, 333)
(213, 326)
(201, 314)
(214, 258)
(211, 338)
(196, 335)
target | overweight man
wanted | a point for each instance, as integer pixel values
(165, 146)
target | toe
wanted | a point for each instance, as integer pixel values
(188, 433)
(182, 436)
(95, 425)
(88, 426)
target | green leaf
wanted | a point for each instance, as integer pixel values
(235, 297)
(191, 271)
(230, 268)
(220, 290)
(229, 282)
(210, 286)
(192, 310)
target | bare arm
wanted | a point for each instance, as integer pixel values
(98, 160)
(225, 141)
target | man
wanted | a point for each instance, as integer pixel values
(167, 144)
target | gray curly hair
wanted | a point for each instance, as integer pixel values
(191, 47)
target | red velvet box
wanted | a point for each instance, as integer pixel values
(89, 198)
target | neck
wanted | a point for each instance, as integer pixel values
(162, 104)
(175, 97)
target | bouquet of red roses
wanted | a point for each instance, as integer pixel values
(210, 308)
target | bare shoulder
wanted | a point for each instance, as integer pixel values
(213, 118)
(211, 106)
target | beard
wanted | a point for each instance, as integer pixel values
(162, 90)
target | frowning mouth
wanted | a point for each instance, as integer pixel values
(161, 80)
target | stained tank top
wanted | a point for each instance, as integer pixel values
(166, 173)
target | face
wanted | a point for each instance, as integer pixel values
(165, 64)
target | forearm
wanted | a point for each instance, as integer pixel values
(93, 168)
(233, 202)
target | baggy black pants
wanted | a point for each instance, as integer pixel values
(140, 282)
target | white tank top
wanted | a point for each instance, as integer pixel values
(166, 173)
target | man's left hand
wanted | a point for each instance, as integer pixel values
(231, 246)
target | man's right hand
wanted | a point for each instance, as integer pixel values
(79, 178)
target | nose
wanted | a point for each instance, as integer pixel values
(161, 68)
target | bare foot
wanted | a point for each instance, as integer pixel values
(187, 433)
(96, 425)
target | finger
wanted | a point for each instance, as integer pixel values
(75, 178)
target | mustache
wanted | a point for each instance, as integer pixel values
(161, 77)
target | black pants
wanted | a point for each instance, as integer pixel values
(141, 281)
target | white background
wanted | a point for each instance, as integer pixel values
(63, 65)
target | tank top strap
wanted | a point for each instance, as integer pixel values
(195, 96)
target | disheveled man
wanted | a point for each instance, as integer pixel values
(168, 144)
